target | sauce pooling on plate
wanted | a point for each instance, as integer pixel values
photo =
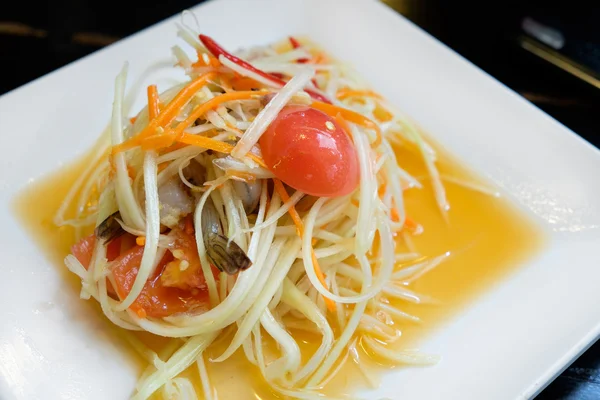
(481, 227)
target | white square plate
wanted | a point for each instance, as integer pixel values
(506, 346)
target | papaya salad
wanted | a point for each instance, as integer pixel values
(260, 197)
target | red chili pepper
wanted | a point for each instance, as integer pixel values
(295, 44)
(217, 51)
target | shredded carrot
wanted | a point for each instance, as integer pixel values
(330, 303)
(345, 93)
(410, 223)
(293, 213)
(132, 120)
(244, 176)
(140, 240)
(349, 116)
(131, 172)
(166, 116)
(244, 83)
(158, 141)
(318, 59)
(382, 114)
(162, 166)
(257, 159)
(165, 139)
(395, 215)
(212, 61)
(215, 145)
(174, 147)
(112, 170)
(205, 142)
(211, 104)
(300, 231)
(343, 123)
(226, 83)
(183, 97)
(232, 127)
(360, 100)
(153, 101)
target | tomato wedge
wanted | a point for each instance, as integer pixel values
(185, 272)
(84, 249)
(156, 300)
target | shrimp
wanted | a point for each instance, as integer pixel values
(249, 192)
(110, 228)
(224, 254)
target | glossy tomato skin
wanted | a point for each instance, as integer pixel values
(156, 300)
(84, 249)
(310, 152)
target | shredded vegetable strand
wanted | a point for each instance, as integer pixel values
(212, 144)
(233, 306)
(131, 213)
(300, 228)
(206, 270)
(211, 104)
(290, 361)
(350, 116)
(275, 279)
(268, 114)
(206, 386)
(296, 299)
(167, 115)
(178, 362)
(152, 230)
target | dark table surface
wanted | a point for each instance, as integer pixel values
(35, 43)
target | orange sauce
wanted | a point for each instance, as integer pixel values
(487, 237)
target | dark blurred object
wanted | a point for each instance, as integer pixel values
(571, 43)
(38, 39)
(489, 34)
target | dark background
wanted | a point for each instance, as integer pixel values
(36, 39)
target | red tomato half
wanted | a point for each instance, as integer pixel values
(310, 152)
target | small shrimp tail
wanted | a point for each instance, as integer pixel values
(225, 255)
(110, 228)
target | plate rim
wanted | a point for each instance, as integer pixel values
(577, 348)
